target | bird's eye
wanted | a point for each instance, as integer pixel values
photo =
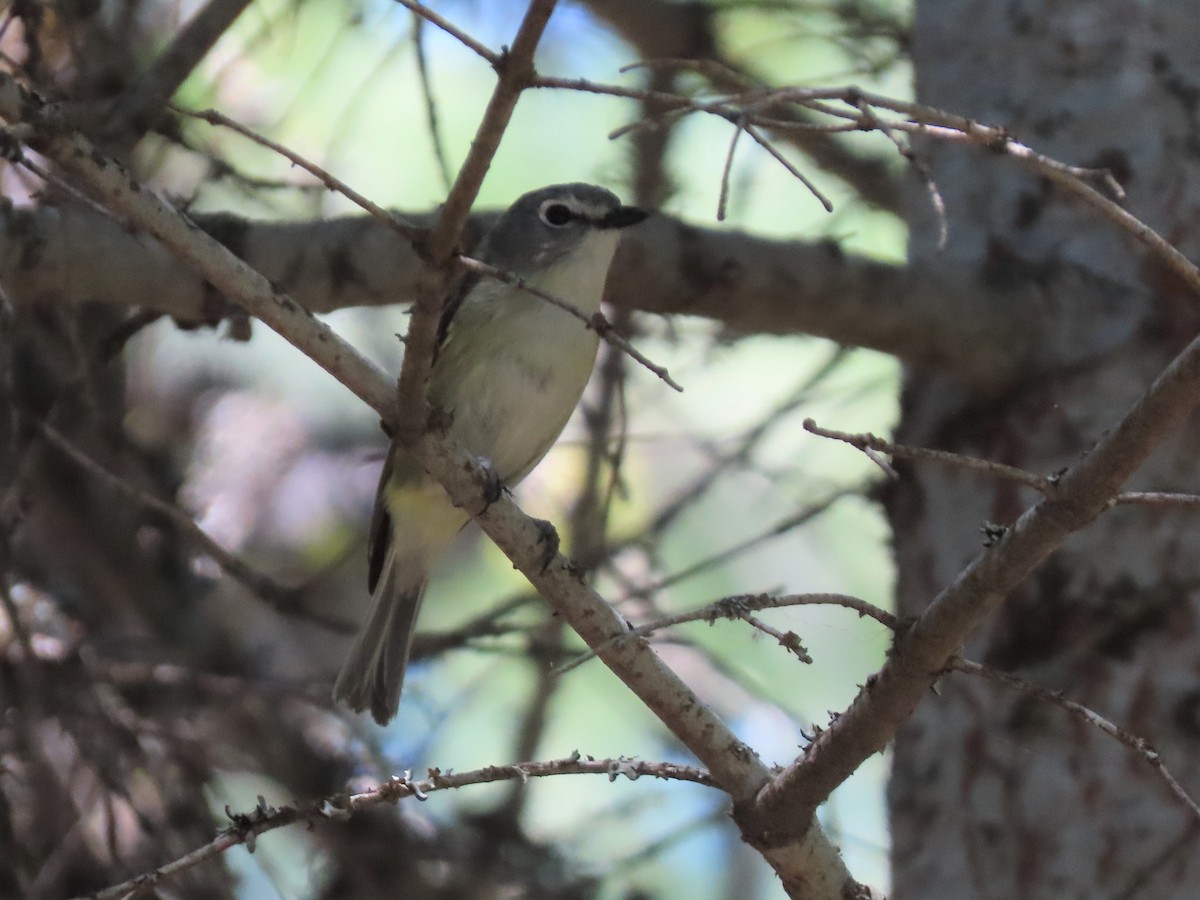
(557, 214)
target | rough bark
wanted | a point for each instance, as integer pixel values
(992, 794)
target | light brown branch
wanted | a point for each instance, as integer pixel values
(451, 29)
(244, 828)
(515, 70)
(867, 442)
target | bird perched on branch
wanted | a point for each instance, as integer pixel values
(509, 369)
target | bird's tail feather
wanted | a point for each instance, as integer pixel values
(373, 674)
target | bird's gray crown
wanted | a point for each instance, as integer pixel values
(544, 225)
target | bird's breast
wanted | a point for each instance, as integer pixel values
(511, 402)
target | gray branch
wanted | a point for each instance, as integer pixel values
(944, 317)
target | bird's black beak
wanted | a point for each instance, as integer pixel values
(622, 217)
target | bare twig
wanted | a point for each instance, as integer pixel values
(741, 454)
(867, 442)
(596, 322)
(740, 605)
(723, 199)
(935, 196)
(871, 177)
(486, 624)
(788, 640)
(783, 526)
(431, 113)
(1157, 498)
(390, 219)
(1138, 745)
(787, 164)
(453, 30)
(244, 828)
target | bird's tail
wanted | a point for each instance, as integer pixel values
(373, 673)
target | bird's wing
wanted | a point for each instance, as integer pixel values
(381, 526)
(453, 303)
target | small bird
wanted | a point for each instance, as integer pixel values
(509, 369)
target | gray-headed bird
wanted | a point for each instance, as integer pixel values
(510, 368)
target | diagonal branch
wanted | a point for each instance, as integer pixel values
(1137, 744)
(41, 128)
(516, 71)
(1081, 494)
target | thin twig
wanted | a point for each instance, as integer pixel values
(431, 113)
(866, 442)
(596, 322)
(736, 607)
(935, 196)
(486, 624)
(390, 219)
(515, 71)
(723, 200)
(783, 526)
(787, 164)
(1156, 498)
(699, 487)
(244, 828)
(453, 30)
(788, 640)
(1135, 743)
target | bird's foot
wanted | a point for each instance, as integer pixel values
(493, 487)
(548, 538)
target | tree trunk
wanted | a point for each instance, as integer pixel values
(993, 794)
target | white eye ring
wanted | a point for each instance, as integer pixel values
(556, 214)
